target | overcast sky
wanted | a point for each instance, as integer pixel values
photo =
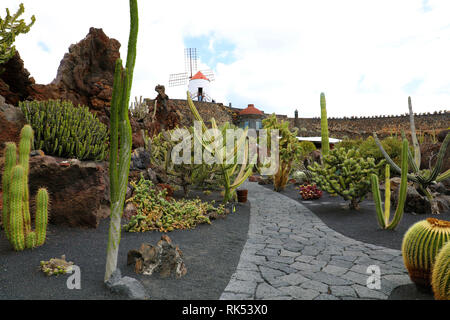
(367, 56)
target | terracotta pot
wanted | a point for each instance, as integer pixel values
(242, 195)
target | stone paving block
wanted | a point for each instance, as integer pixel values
(327, 278)
(287, 253)
(269, 273)
(268, 252)
(245, 265)
(234, 296)
(304, 258)
(246, 275)
(335, 270)
(326, 297)
(264, 290)
(364, 292)
(239, 286)
(305, 266)
(300, 293)
(287, 260)
(316, 285)
(341, 263)
(278, 266)
(343, 291)
(356, 277)
(293, 279)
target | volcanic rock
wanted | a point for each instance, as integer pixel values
(79, 193)
(164, 258)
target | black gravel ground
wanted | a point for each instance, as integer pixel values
(359, 224)
(211, 254)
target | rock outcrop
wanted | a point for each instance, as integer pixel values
(164, 258)
(79, 190)
(85, 76)
(11, 122)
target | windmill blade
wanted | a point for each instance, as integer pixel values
(209, 74)
(178, 79)
(190, 61)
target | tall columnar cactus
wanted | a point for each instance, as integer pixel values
(383, 218)
(119, 160)
(440, 277)
(324, 125)
(290, 150)
(423, 179)
(16, 215)
(420, 245)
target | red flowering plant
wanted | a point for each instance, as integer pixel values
(310, 192)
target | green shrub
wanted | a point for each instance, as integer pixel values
(156, 212)
(307, 147)
(348, 144)
(62, 130)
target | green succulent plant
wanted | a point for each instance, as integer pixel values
(10, 27)
(440, 277)
(15, 213)
(345, 173)
(62, 130)
(384, 217)
(420, 246)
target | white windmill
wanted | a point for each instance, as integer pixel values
(199, 81)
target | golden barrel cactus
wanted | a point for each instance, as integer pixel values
(420, 246)
(440, 278)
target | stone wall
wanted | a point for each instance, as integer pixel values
(364, 127)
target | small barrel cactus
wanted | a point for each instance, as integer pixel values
(440, 278)
(421, 244)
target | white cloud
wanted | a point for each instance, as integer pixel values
(362, 54)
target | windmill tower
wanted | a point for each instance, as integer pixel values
(198, 81)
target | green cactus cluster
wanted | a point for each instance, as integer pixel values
(440, 277)
(66, 131)
(10, 27)
(421, 178)
(420, 246)
(231, 178)
(15, 214)
(345, 173)
(383, 217)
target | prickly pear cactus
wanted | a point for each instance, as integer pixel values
(421, 244)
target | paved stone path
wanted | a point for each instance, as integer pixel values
(292, 254)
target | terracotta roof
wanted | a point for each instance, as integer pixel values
(199, 75)
(250, 110)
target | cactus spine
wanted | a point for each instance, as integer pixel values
(324, 125)
(16, 214)
(120, 127)
(421, 243)
(440, 278)
(383, 219)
